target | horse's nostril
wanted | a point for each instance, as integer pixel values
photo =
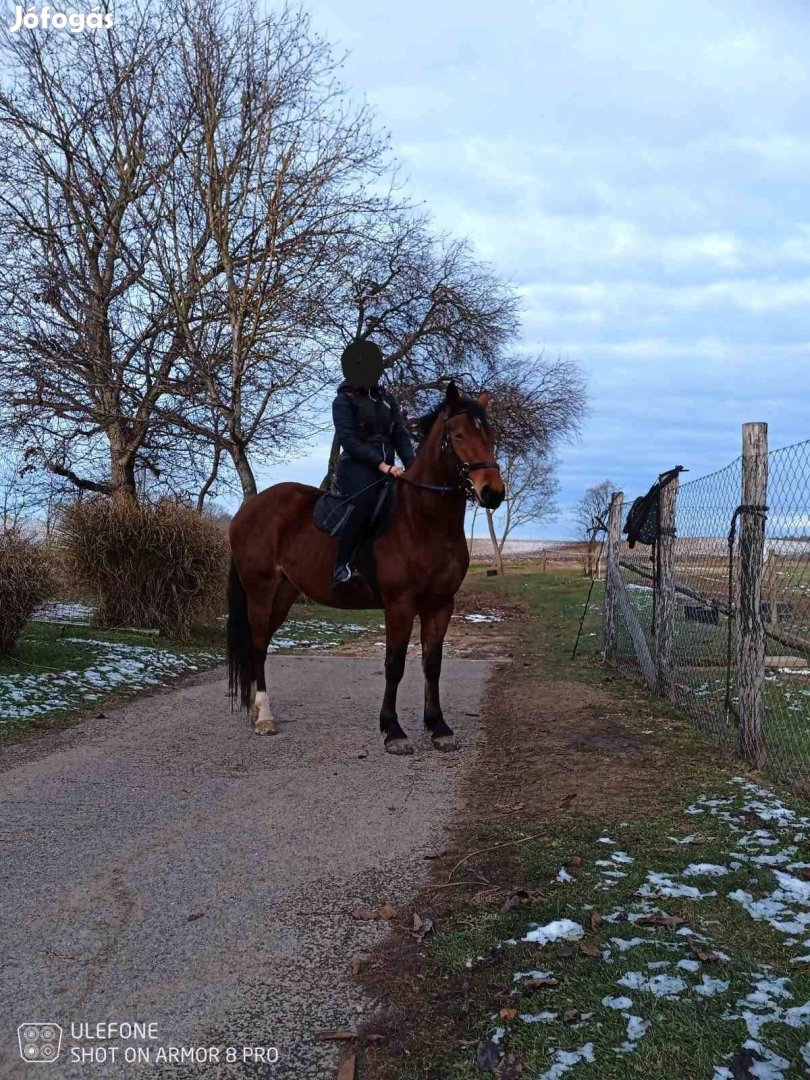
(491, 499)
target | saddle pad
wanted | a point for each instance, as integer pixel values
(332, 510)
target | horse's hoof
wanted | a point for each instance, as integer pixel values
(398, 746)
(265, 727)
(444, 742)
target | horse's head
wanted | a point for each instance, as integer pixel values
(468, 436)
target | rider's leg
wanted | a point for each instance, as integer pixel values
(363, 505)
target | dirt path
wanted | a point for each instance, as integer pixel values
(164, 865)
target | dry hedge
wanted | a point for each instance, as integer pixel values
(149, 565)
(25, 581)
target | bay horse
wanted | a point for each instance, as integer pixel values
(278, 553)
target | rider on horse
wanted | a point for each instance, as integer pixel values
(369, 428)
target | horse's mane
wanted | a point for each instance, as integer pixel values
(468, 405)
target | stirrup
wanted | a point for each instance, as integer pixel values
(342, 575)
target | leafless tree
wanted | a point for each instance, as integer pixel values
(535, 404)
(590, 515)
(531, 485)
(89, 130)
(264, 201)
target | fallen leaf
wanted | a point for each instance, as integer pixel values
(521, 898)
(364, 913)
(335, 1035)
(705, 955)
(547, 982)
(421, 927)
(656, 919)
(508, 1014)
(363, 753)
(510, 1068)
(359, 961)
(487, 1054)
(348, 1069)
(587, 948)
(575, 861)
(569, 1016)
(596, 920)
(196, 915)
(565, 952)
(805, 873)
(387, 911)
(567, 801)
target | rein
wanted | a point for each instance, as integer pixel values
(464, 468)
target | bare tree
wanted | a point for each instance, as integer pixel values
(590, 515)
(535, 404)
(530, 489)
(265, 198)
(89, 129)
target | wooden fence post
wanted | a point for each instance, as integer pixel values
(665, 600)
(610, 623)
(750, 626)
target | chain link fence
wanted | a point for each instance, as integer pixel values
(699, 667)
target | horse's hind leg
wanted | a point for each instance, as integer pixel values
(433, 627)
(266, 616)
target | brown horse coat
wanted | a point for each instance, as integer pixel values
(421, 560)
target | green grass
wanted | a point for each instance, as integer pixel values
(688, 1037)
(59, 674)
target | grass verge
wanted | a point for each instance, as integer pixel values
(677, 881)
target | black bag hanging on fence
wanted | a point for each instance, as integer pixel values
(642, 525)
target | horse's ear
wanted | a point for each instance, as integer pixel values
(484, 399)
(452, 398)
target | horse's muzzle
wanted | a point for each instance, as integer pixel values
(490, 499)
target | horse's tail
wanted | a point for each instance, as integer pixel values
(240, 646)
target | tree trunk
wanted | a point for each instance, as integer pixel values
(244, 472)
(122, 474)
(494, 539)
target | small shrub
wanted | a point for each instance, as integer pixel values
(25, 581)
(149, 565)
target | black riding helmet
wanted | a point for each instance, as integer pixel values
(362, 363)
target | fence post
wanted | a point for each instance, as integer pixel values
(610, 622)
(665, 600)
(751, 629)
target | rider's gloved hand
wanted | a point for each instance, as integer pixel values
(391, 470)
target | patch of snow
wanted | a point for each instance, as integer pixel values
(705, 869)
(668, 987)
(563, 876)
(620, 1003)
(662, 885)
(559, 930)
(538, 1018)
(709, 986)
(689, 965)
(565, 1060)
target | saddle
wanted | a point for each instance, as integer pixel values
(333, 509)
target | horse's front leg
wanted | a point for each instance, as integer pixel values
(433, 629)
(398, 626)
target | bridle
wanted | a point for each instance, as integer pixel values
(463, 468)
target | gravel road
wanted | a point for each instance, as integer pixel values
(163, 865)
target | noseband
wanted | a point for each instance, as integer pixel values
(464, 468)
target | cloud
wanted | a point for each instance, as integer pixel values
(638, 170)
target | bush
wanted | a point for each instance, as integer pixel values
(25, 581)
(149, 565)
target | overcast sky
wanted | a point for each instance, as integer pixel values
(639, 170)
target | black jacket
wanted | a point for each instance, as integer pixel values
(369, 426)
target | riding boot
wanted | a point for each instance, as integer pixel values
(348, 544)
